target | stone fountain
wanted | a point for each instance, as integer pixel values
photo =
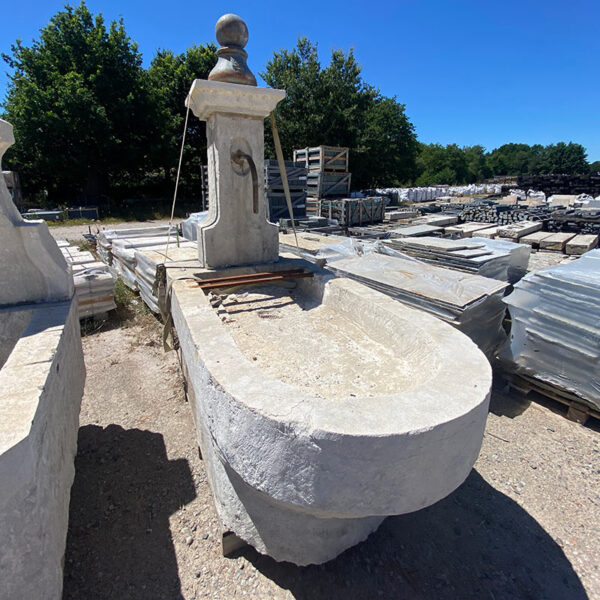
(321, 406)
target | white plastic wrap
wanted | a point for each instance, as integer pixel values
(189, 227)
(555, 333)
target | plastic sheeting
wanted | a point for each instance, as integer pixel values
(94, 285)
(189, 227)
(106, 237)
(427, 194)
(470, 303)
(555, 333)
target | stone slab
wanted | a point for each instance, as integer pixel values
(534, 239)
(581, 244)
(41, 385)
(516, 231)
(416, 231)
(556, 241)
(467, 230)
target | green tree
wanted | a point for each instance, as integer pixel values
(171, 77)
(595, 167)
(333, 106)
(81, 107)
(565, 158)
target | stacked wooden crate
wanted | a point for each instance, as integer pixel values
(296, 176)
(328, 175)
(354, 211)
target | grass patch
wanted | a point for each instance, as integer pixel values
(131, 310)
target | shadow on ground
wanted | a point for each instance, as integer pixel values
(119, 544)
(476, 543)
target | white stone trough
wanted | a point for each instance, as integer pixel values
(41, 384)
(323, 408)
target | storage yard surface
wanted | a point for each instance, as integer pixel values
(525, 524)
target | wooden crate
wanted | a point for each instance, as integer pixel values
(354, 211)
(323, 158)
(296, 175)
(322, 184)
(278, 205)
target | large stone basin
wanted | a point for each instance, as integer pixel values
(323, 409)
(41, 384)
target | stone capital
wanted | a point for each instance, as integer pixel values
(209, 97)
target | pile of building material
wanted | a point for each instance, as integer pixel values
(189, 227)
(426, 194)
(518, 230)
(274, 191)
(106, 237)
(466, 230)
(124, 249)
(94, 285)
(146, 262)
(555, 336)
(495, 259)
(470, 303)
(327, 173)
(354, 211)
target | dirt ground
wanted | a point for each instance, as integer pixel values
(525, 524)
(75, 233)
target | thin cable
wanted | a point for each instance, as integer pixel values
(187, 112)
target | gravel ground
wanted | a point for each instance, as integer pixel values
(525, 524)
(75, 232)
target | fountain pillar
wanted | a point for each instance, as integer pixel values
(237, 230)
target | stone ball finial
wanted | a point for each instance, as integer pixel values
(231, 31)
(231, 67)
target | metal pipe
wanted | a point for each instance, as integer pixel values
(237, 157)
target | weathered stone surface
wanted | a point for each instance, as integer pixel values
(556, 241)
(32, 267)
(580, 244)
(41, 385)
(236, 230)
(302, 477)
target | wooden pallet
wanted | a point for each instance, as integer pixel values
(323, 158)
(578, 410)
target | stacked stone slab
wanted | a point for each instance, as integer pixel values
(94, 284)
(106, 237)
(497, 259)
(555, 335)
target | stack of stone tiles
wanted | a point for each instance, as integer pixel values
(105, 238)
(123, 254)
(94, 285)
(147, 261)
(470, 303)
(497, 259)
(555, 335)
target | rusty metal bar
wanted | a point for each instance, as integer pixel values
(265, 278)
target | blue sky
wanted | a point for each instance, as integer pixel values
(469, 71)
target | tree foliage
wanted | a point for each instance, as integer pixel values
(453, 165)
(81, 106)
(333, 106)
(171, 77)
